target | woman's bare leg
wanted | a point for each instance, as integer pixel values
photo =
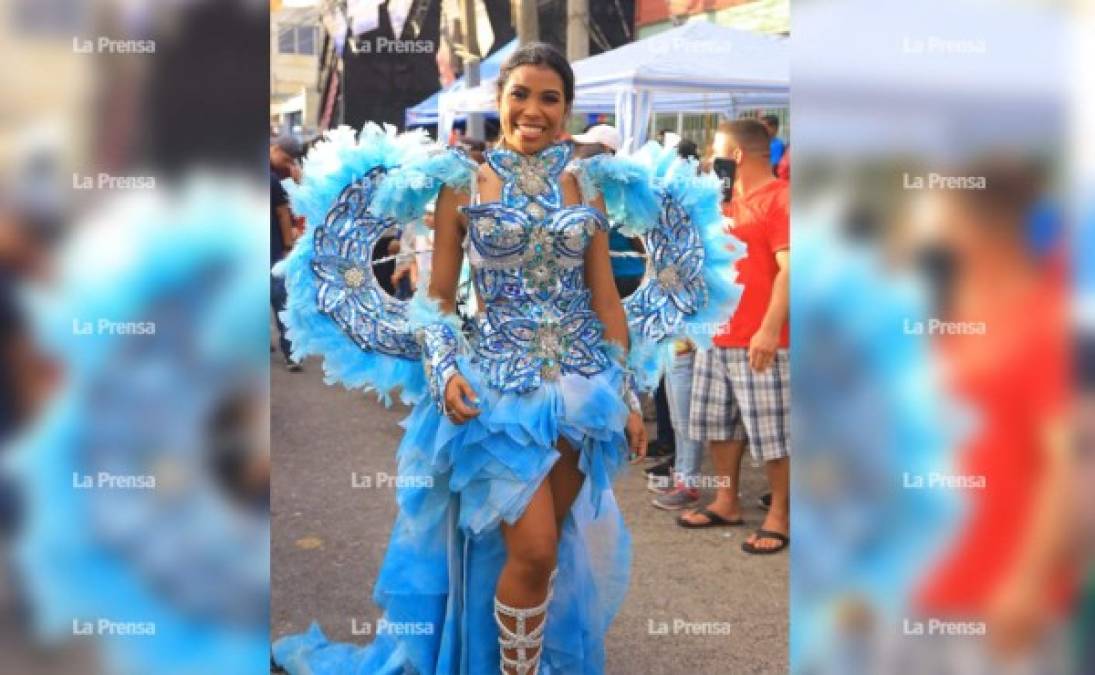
(531, 545)
(566, 481)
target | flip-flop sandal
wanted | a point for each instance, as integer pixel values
(713, 520)
(783, 540)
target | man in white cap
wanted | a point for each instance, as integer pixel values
(597, 140)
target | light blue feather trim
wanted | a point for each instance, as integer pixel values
(656, 157)
(586, 186)
(406, 192)
(645, 359)
(343, 157)
(628, 191)
(333, 164)
(423, 311)
(313, 333)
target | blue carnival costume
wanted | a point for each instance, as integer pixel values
(535, 355)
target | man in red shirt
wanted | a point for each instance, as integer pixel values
(741, 388)
(1009, 569)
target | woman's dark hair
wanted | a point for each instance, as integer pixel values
(539, 54)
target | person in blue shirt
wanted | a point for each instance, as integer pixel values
(777, 146)
(627, 270)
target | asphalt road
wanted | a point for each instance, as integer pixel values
(329, 537)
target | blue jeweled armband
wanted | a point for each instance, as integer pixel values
(440, 346)
(629, 383)
(440, 337)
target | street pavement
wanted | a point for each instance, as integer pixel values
(328, 539)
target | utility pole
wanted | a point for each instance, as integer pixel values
(528, 21)
(474, 125)
(577, 30)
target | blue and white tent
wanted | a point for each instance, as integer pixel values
(697, 67)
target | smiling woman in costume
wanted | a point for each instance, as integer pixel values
(513, 557)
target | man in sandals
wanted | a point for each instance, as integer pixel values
(741, 388)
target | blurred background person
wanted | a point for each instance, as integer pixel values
(284, 153)
(776, 146)
(1005, 351)
(684, 490)
(687, 149)
(597, 139)
(723, 163)
(475, 149)
(415, 257)
(783, 169)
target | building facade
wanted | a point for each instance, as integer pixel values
(295, 43)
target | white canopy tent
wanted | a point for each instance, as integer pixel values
(697, 67)
(876, 77)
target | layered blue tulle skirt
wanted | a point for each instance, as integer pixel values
(458, 483)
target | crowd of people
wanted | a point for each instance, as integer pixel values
(733, 397)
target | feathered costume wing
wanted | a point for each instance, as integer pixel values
(357, 189)
(689, 289)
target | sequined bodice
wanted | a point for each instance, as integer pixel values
(527, 253)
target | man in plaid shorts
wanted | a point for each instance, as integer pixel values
(741, 392)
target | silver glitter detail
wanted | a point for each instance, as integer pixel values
(354, 277)
(531, 178)
(669, 278)
(549, 371)
(540, 273)
(548, 339)
(541, 237)
(486, 225)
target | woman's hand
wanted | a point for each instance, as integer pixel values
(683, 346)
(457, 390)
(636, 436)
